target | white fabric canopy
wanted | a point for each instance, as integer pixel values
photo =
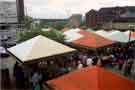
(115, 36)
(38, 47)
(127, 32)
(73, 30)
(119, 37)
(72, 35)
(102, 33)
(46, 29)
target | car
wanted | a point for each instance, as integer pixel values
(3, 52)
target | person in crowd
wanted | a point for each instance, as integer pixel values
(128, 67)
(95, 60)
(69, 67)
(80, 65)
(89, 61)
(120, 61)
(19, 76)
(84, 58)
(35, 79)
(15, 68)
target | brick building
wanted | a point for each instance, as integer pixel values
(110, 14)
(93, 18)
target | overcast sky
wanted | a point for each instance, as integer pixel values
(64, 8)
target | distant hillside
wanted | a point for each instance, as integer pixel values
(51, 20)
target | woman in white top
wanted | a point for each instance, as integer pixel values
(80, 65)
(89, 61)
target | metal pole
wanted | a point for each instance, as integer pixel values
(129, 35)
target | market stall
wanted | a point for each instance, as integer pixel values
(40, 51)
(92, 41)
(94, 78)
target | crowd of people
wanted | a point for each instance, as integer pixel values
(112, 56)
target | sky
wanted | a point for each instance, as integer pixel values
(65, 8)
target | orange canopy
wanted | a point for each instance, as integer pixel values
(92, 78)
(92, 40)
(133, 34)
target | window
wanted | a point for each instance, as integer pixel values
(4, 27)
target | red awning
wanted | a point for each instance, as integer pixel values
(92, 40)
(92, 78)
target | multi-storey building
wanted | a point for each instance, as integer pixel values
(75, 20)
(9, 24)
(110, 14)
(93, 18)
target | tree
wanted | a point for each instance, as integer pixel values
(28, 21)
(54, 35)
(32, 31)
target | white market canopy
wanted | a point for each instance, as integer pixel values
(102, 33)
(74, 30)
(38, 47)
(90, 30)
(115, 36)
(119, 37)
(72, 34)
(130, 32)
(127, 32)
(46, 29)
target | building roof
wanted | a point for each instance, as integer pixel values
(92, 78)
(92, 40)
(92, 12)
(38, 47)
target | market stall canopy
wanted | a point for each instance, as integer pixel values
(73, 30)
(128, 33)
(119, 37)
(38, 47)
(90, 30)
(92, 78)
(115, 36)
(102, 32)
(92, 40)
(72, 35)
(46, 29)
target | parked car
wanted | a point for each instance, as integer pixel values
(3, 52)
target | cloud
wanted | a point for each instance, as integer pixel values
(46, 12)
(64, 8)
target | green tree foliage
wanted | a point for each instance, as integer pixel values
(28, 21)
(32, 31)
(57, 25)
(54, 35)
